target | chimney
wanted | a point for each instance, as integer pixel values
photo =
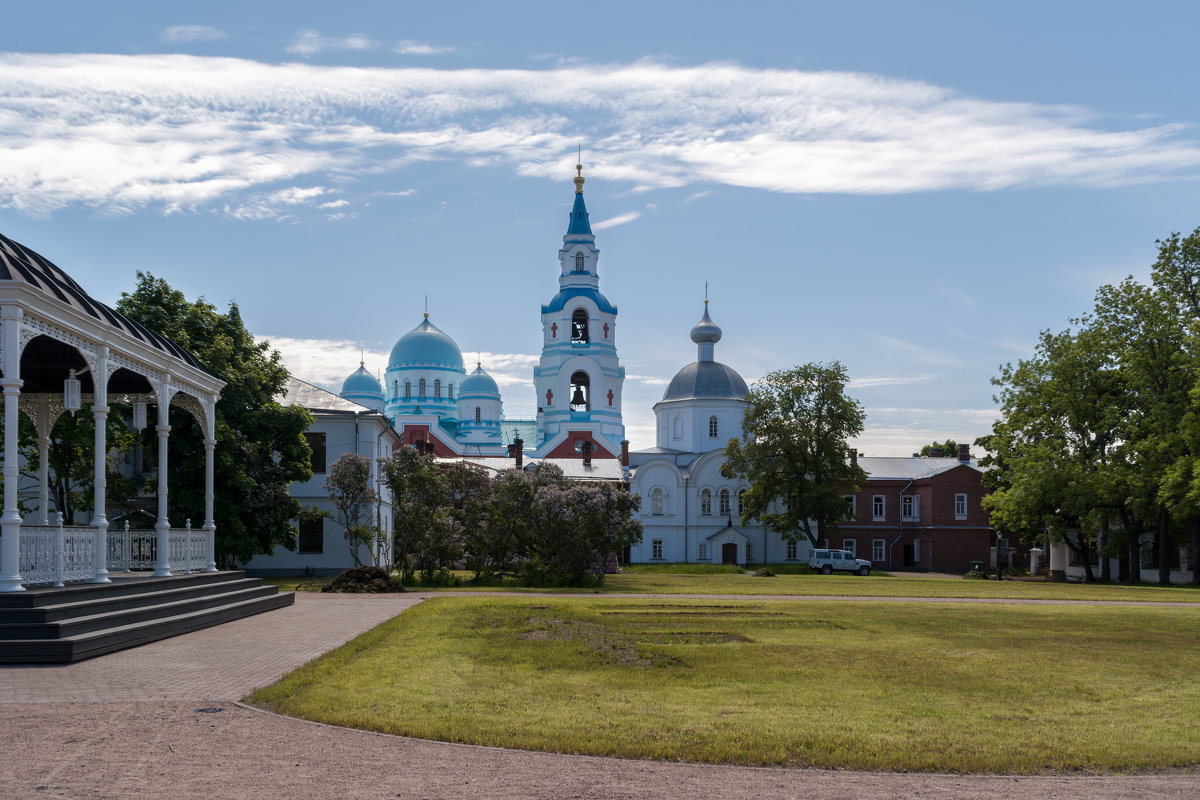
(587, 452)
(935, 452)
(625, 453)
(517, 451)
(916, 455)
(854, 457)
(964, 453)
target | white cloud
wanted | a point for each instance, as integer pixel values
(192, 33)
(177, 132)
(613, 222)
(411, 48)
(309, 43)
(888, 380)
(916, 351)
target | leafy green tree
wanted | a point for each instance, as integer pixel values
(348, 483)
(260, 449)
(495, 545)
(794, 453)
(948, 448)
(1055, 446)
(418, 495)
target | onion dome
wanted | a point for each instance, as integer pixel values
(361, 382)
(478, 383)
(426, 346)
(706, 331)
(707, 380)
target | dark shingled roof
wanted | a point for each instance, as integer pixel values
(20, 264)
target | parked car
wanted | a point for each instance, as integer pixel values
(826, 561)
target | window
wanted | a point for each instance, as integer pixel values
(851, 505)
(395, 389)
(451, 391)
(677, 428)
(579, 326)
(316, 443)
(437, 389)
(706, 501)
(910, 507)
(960, 505)
(579, 262)
(581, 391)
(421, 389)
(312, 536)
(748, 556)
(478, 415)
(741, 501)
(791, 551)
(656, 502)
(656, 548)
(878, 507)
(877, 546)
(408, 390)
(704, 551)
(712, 427)
(724, 500)
(850, 546)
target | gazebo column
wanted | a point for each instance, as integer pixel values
(100, 478)
(162, 567)
(10, 523)
(43, 431)
(210, 527)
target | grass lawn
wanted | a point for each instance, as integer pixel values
(876, 686)
(698, 579)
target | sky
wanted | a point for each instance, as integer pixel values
(913, 190)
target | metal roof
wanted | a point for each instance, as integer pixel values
(302, 393)
(706, 380)
(882, 468)
(21, 265)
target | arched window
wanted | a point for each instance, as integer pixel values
(421, 389)
(656, 502)
(451, 391)
(724, 500)
(741, 501)
(395, 389)
(437, 389)
(478, 415)
(579, 262)
(706, 501)
(408, 390)
(581, 392)
(677, 428)
(579, 326)
(712, 426)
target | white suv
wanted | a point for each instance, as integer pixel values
(826, 561)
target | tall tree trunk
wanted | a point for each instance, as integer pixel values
(1134, 541)
(1164, 546)
(1085, 553)
(1194, 551)
(1102, 549)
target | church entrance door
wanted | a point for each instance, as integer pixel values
(729, 553)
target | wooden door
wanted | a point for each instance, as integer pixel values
(729, 553)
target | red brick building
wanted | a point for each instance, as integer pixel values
(920, 513)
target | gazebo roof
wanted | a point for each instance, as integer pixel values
(22, 265)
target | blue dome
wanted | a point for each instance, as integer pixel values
(426, 346)
(560, 300)
(361, 383)
(706, 331)
(706, 380)
(478, 383)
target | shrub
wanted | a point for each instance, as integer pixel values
(976, 575)
(363, 580)
(763, 572)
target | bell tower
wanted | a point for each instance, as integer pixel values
(578, 379)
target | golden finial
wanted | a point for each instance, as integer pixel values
(362, 357)
(706, 293)
(579, 171)
(426, 306)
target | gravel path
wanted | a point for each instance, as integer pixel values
(143, 724)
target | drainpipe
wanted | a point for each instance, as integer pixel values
(900, 529)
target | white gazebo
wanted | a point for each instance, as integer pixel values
(60, 349)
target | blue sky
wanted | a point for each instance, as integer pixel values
(912, 189)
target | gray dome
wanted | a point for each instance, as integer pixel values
(706, 331)
(707, 380)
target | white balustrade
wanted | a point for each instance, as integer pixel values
(64, 554)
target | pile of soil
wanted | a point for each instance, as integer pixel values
(364, 580)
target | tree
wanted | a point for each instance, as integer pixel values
(417, 496)
(348, 483)
(1053, 450)
(260, 449)
(948, 448)
(794, 453)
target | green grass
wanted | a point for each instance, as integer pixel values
(684, 569)
(655, 579)
(876, 686)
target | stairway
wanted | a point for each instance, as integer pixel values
(47, 626)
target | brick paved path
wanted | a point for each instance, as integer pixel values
(225, 662)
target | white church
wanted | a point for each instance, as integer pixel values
(690, 511)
